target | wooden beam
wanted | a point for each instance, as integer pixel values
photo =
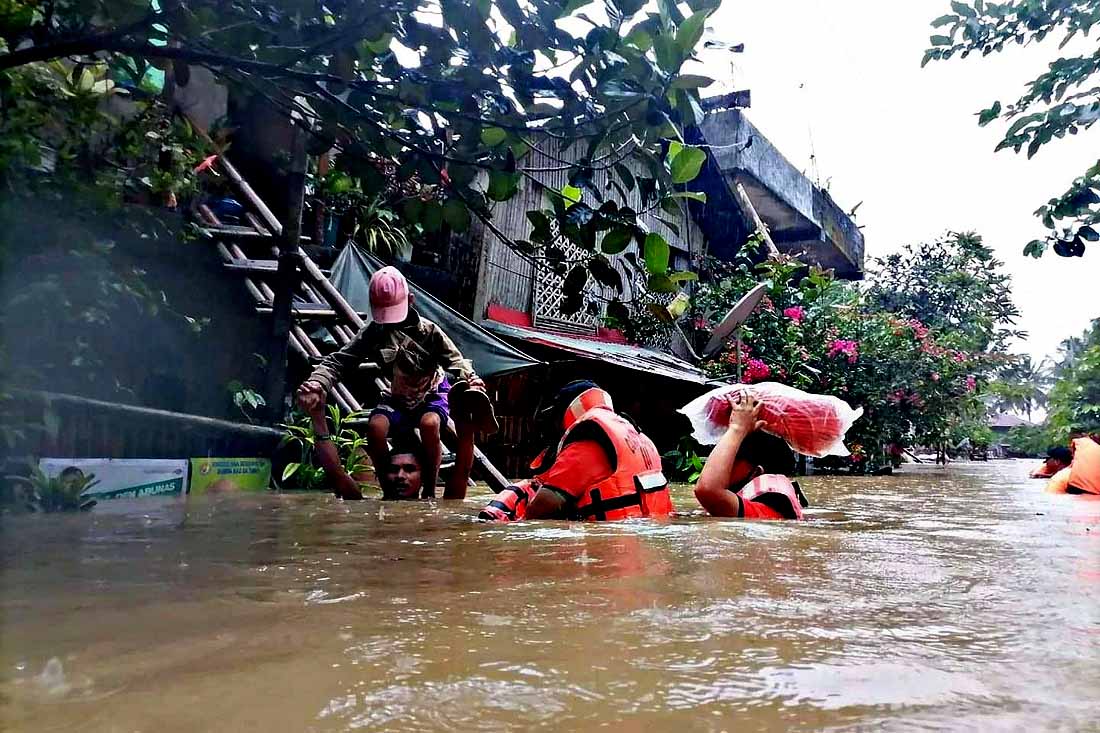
(750, 211)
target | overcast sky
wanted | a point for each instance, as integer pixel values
(904, 140)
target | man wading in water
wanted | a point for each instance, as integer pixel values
(400, 479)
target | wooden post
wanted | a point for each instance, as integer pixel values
(750, 211)
(286, 282)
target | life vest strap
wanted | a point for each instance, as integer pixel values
(600, 506)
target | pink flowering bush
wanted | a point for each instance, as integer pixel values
(919, 375)
(795, 313)
(845, 347)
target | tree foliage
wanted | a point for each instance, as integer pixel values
(1065, 100)
(915, 346)
(456, 93)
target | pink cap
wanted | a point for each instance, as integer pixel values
(389, 296)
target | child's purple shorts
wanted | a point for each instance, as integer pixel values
(405, 420)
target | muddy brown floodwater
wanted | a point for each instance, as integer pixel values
(959, 599)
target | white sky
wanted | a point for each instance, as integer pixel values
(904, 140)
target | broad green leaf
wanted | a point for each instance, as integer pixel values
(691, 81)
(662, 284)
(683, 277)
(616, 240)
(690, 195)
(656, 253)
(689, 33)
(963, 9)
(290, 470)
(944, 20)
(502, 185)
(687, 164)
(456, 215)
(493, 136)
(940, 40)
(571, 195)
(674, 148)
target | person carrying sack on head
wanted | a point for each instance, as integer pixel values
(745, 475)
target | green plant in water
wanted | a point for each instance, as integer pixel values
(350, 446)
(62, 493)
(684, 464)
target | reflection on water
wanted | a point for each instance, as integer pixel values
(961, 598)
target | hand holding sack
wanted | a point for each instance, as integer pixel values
(811, 424)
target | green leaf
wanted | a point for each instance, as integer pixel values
(689, 33)
(691, 81)
(616, 240)
(674, 148)
(502, 185)
(940, 40)
(690, 195)
(493, 136)
(944, 20)
(988, 115)
(963, 9)
(662, 284)
(687, 164)
(290, 470)
(456, 215)
(431, 217)
(683, 277)
(571, 195)
(656, 253)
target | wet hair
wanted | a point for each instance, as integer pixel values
(408, 445)
(550, 418)
(1060, 453)
(772, 454)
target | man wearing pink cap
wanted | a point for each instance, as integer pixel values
(417, 357)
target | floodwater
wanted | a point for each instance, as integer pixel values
(959, 599)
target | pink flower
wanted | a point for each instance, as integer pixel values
(935, 376)
(845, 347)
(702, 323)
(756, 371)
(971, 383)
(919, 329)
(959, 357)
(795, 313)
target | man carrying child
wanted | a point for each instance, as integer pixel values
(419, 360)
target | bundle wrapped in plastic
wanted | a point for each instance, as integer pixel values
(812, 424)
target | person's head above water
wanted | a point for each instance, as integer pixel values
(761, 453)
(550, 416)
(1058, 457)
(402, 478)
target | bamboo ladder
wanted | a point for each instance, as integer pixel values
(318, 299)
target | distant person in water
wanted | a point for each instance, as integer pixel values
(399, 479)
(596, 465)
(419, 359)
(1058, 457)
(746, 473)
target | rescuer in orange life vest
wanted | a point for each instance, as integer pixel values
(746, 473)
(597, 465)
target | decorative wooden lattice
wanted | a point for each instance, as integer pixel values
(549, 292)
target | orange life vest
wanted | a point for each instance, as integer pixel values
(510, 505)
(1059, 482)
(775, 491)
(636, 486)
(1084, 472)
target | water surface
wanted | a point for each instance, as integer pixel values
(960, 598)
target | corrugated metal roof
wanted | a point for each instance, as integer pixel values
(629, 357)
